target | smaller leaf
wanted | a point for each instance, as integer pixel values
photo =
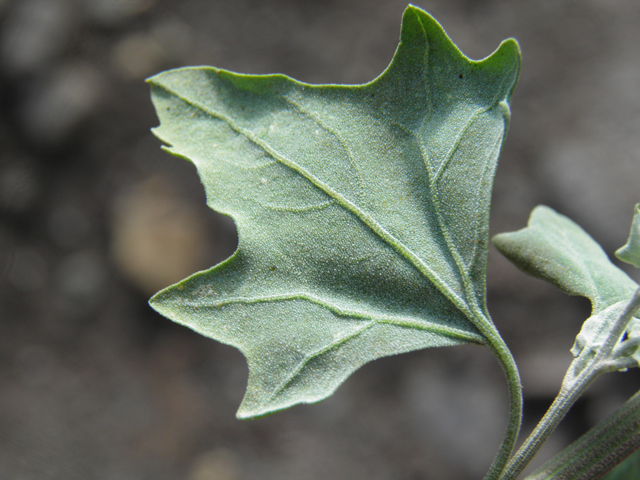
(557, 250)
(630, 253)
(596, 329)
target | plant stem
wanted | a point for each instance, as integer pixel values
(508, 364)
(619, 327)
(573, 386)
(600, 449)
(569, 393)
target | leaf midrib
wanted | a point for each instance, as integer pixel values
(362, 215)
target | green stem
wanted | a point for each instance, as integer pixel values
(619, 327)
(508, 364)
(576, 381)
(569, 393)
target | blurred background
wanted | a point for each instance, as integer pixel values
(94, 218)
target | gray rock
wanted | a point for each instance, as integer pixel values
(34, 35)
(53, 109)
(114, 12)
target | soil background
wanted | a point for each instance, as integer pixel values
(94, 218)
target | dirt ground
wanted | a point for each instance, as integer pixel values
(94, 218)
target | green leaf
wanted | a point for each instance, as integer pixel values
(362, 211)
(630, 253)
(596, 329)
(557, 250)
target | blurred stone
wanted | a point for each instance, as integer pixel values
(5, 246)
(115, 12)
(137, 56)
(35, 366)
(597, 179)
(80, 280)
(55, 108)
(542, 372)
(27, 268)
(157, 239)
(446, 401)
(35, 33)
(594, 166)
(19, 187)
(219, 464)
(175, 38)
(69, 225)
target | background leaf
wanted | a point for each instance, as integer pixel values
(630, 252)
(600, 449)
(362, 211)
(557, 250)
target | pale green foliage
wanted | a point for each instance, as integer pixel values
(630, 252)
(595, 331)
(362, 215)
(556, 249)
(362, 211)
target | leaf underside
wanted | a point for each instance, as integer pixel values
(362, 211)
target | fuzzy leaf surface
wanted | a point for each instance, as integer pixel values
(630, 252)
(362, 211)
(557, 250)
(629, 469)
(596, 329)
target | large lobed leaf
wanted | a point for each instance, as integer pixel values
(362, 211)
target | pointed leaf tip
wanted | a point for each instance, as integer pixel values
(422, 33)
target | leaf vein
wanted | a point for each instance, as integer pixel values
(342, 341)
(362, 215)
(333, 132)
(407, 323)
